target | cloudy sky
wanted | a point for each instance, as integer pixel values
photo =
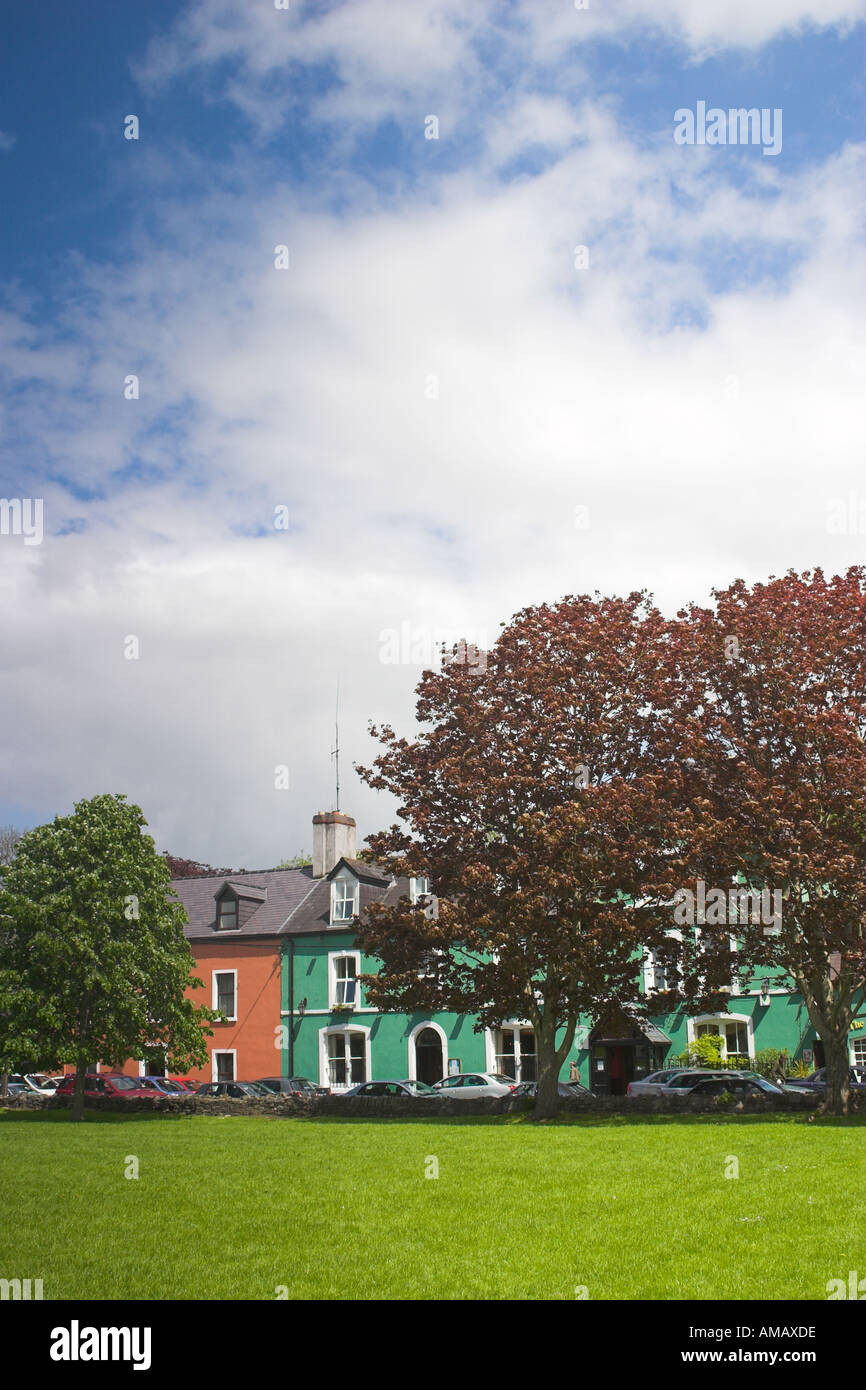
(526, 344)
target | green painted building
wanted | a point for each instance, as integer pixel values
(278, 951)
(335, 1038)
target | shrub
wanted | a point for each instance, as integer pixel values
(706, 1050)
(765, 1060)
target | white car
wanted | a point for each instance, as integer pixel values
(475, 1085)
(36, 1083)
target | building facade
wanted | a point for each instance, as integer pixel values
(277, 953)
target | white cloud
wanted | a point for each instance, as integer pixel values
(7, 141)
(700, 454)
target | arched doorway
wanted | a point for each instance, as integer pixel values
(429, 1064)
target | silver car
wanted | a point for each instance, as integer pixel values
(475, 1085)
(673, 1083)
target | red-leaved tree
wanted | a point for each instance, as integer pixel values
(770, 693)
(537, 798)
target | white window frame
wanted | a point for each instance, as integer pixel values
(415, 892)
(649, 966)
(233, 1018)
(411, 1068)
(222, 1052)
(720, 1019)
(510, 1026)
(341, 879)
(324, 1058)
(333, 957)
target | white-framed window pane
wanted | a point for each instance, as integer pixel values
(225, 993)
(347, 1059)
(528, 1059)
(225, 1066)
(346, 980)
(357, 1058)
(344, 900)
(506, 1064)
(337, 1059)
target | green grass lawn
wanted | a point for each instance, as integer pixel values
(228, 1208)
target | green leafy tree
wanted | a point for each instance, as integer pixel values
(300, 861)
(94, 964)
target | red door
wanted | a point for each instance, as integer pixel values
(616, 1070)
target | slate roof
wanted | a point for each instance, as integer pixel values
(291, 901)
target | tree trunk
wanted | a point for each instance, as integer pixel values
(550, 1059)
(80, 1083)
(836, 1059)
(4, 1085)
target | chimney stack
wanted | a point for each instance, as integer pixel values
(333, 839)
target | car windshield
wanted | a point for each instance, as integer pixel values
(417, 1085)
(497, 1076)
(124, 1083)
(43, 1082)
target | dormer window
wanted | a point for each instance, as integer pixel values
(418, 888)
(227, 914)
(344, 899)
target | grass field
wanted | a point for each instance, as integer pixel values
(228, 1208)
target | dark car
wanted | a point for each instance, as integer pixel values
(736, 1086)
(373, 1090)
(235, 1090)
(566, 1089)
(110, 1085)
(818, 1081)
(293, 1086)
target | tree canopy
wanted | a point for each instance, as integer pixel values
(94, 964)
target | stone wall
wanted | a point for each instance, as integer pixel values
(395, 1108)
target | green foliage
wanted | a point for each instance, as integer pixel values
(300, 861)
(94, 964)
(799, 1068)
(765, 1060)
(706, 1050)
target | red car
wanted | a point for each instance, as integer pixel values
(114, 1085)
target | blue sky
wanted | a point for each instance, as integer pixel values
(432, 388)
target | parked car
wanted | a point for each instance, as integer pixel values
(163, 1086)
(567, 1089)
(292, 1086)
(16, 1088)
(676, 1082)
(736, 1085)
(651, 1085)
(236, 1090)
(415, 1090)
(188, 1087)
(111, 1085)
(40, 1082)
(475, 1085)
(37, 1083)
(818, 1081)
